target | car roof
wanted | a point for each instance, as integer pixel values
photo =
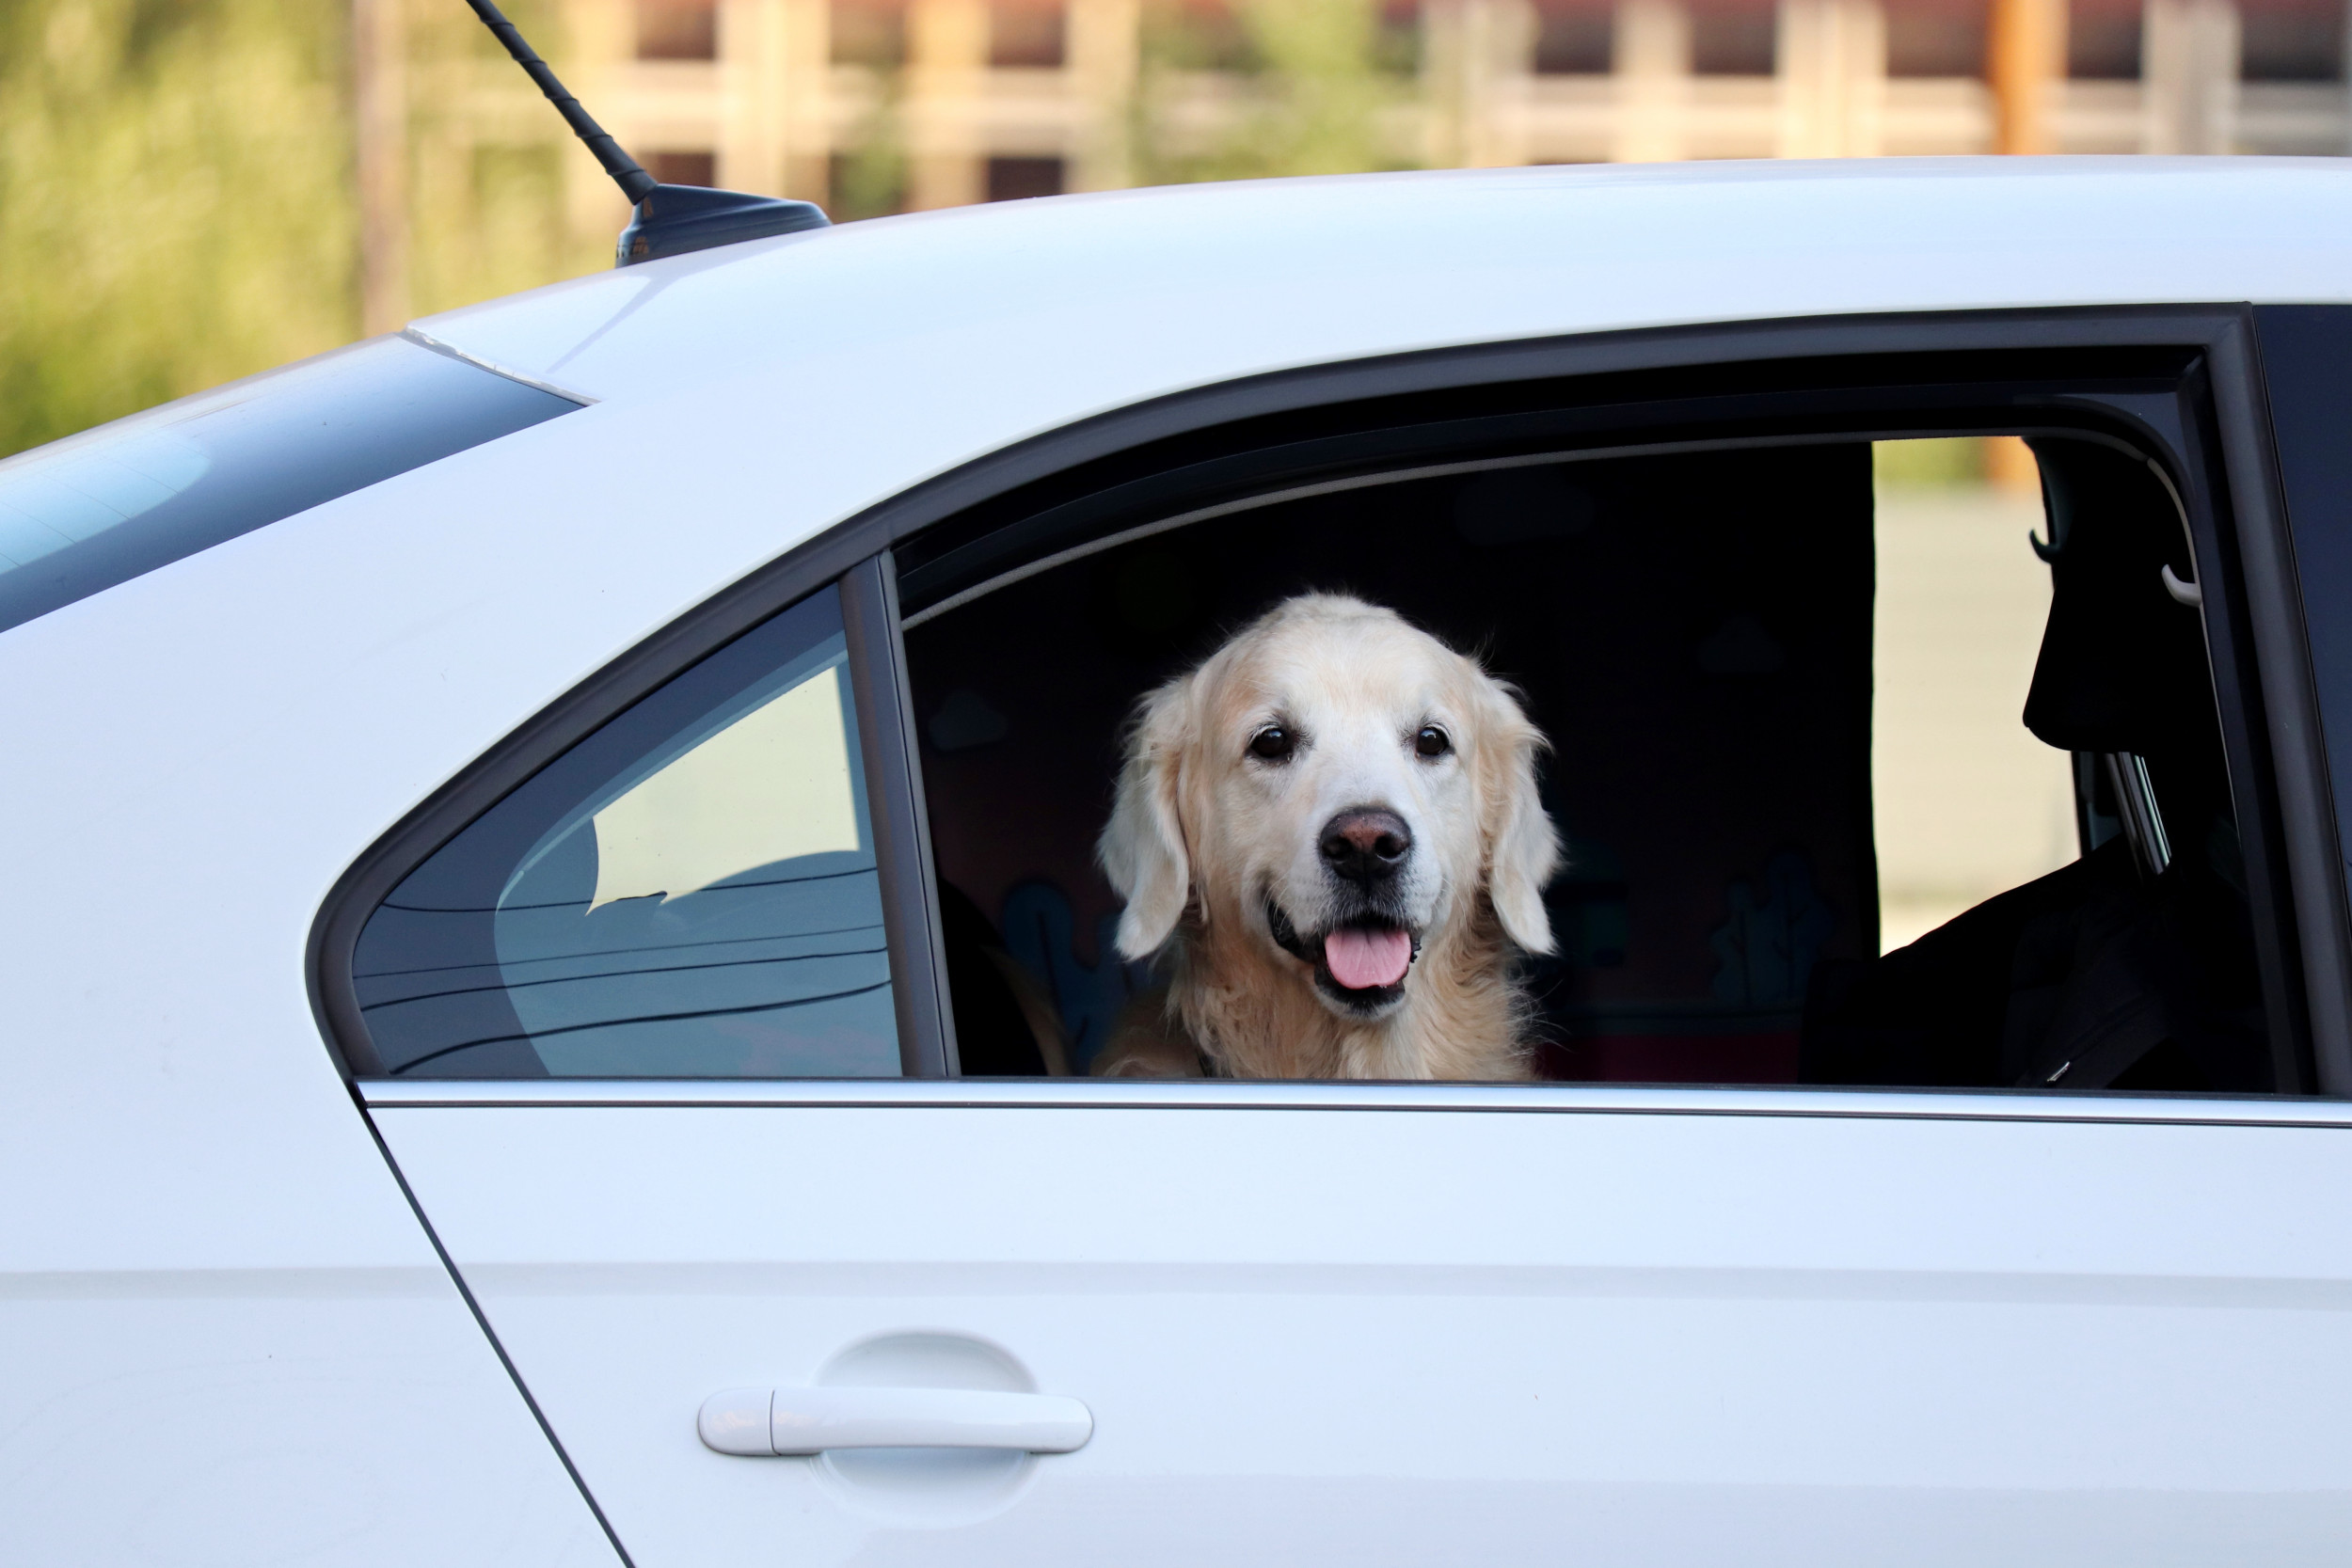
(1187, 285)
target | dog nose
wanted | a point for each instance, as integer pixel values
(1366, 844)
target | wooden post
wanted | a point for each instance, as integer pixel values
(598, 38)
(1833, 78)
(2024, 59)
(1651, 67)
(1102, 49)
(946, 58)
(2188, 70)
(380, 127)
(808, 99)
(773, 134)
(1477, 58)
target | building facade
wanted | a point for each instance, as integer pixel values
(870, 106)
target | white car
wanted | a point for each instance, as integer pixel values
(550, 950)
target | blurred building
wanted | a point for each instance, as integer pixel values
(988, 99)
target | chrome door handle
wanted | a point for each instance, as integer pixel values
(766, 1421)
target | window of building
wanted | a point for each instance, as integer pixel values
(2290, 41)
(1026, 33)
(1017, 178)
(1574, 41)
(2103, 40)
(688, 893)
(1733, 38)
(869, 33)
(677, 29)
(684, 168)
(1936, 38)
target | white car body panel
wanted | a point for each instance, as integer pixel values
(1400, 1326)
(1091, 302)
(196, 755)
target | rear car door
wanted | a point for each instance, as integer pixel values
(654, 1022)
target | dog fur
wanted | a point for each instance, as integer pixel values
(1223, 851)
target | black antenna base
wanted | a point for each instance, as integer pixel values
(670, 219)
(674, 219)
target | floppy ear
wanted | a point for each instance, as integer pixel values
(1522, 846)
(1142, 846)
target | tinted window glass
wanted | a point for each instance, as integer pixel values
(690, 893)
(79, 516)
(2307, 362)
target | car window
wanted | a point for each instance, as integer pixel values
(2307, 361)
(688, 893)
(79, 516)
(1966, 802)
(1861, 772)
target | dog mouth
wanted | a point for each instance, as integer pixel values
(1360, 963)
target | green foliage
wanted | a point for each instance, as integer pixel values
(1321, 75)
(870, 181)
(1941, 462)
(176, 193)
(174, 201)
(177, 203)
(487, 198)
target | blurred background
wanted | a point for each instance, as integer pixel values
(193, 189)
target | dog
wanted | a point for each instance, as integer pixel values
(1332, 827)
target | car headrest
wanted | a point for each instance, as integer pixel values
(2123, 661)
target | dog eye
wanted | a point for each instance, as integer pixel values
(1432, 741)
(1273, 744)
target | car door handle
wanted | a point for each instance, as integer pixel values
(765, 1421)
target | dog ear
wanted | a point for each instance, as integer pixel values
(1142, 846)
(1522, 846)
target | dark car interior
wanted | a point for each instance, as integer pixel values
(1693, 631)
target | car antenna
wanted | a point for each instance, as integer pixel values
(671, 220)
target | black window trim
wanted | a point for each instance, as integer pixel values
(902, 838)
(2276, 741)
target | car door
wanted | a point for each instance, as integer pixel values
(1396, 1325)
(1071, 1318)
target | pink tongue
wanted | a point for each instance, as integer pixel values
(1360, 959)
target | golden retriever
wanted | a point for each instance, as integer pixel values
(1334, 820)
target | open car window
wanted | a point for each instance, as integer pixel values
(1858, 781)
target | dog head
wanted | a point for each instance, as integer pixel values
(1339, 786)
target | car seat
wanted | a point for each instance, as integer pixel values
(2133, 967)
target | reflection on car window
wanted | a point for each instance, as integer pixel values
(79, 516)
(690, 893)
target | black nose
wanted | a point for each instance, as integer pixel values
(1366, 845)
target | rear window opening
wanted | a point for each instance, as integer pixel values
(1875, 763)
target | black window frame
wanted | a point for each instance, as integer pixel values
(1811, 379)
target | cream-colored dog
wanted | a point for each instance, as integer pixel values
(1334, 819)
